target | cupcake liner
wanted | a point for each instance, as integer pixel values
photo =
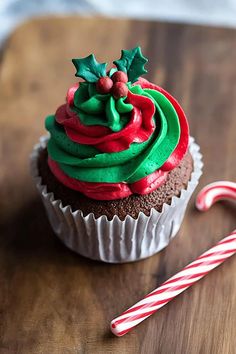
(116, 241)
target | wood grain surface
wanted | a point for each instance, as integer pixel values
(54, 301)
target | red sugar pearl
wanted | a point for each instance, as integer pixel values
(119, 76)
(104, 85)
(119, 90)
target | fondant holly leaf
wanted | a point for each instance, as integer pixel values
(132, 62)
(112, 71)
(89, 69)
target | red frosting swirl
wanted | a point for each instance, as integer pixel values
(180, 150)
(138, 129)
(109, 191)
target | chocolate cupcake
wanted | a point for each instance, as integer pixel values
(118, 169)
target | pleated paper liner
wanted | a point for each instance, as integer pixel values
(116, 241)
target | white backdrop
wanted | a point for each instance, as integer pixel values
(212, 12)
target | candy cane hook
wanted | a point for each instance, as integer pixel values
(191, 273)
(213, 192)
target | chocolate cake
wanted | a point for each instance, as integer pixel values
(177, 180)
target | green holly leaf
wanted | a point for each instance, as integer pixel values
(89, 69)
(132, 62)
(112, 71)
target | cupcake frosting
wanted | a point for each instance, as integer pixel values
(117, 134)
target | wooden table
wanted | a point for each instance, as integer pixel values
(54, 301)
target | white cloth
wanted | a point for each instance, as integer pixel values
(210, 12)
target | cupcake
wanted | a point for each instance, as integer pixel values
(118, 167)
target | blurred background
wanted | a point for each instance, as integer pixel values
(50, 300)
(209, 12)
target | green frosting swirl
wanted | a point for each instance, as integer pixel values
(86, 163)
(99, 109)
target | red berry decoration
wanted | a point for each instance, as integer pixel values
(104, 85)
(119, 76)
(119, 89)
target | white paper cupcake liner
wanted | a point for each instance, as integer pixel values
(116, 241)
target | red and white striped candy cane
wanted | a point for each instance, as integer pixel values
(190, 274)
(214, 192)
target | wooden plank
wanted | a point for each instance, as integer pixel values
(53, 301)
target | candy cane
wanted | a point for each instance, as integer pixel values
(190, 274)
(214, 192)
